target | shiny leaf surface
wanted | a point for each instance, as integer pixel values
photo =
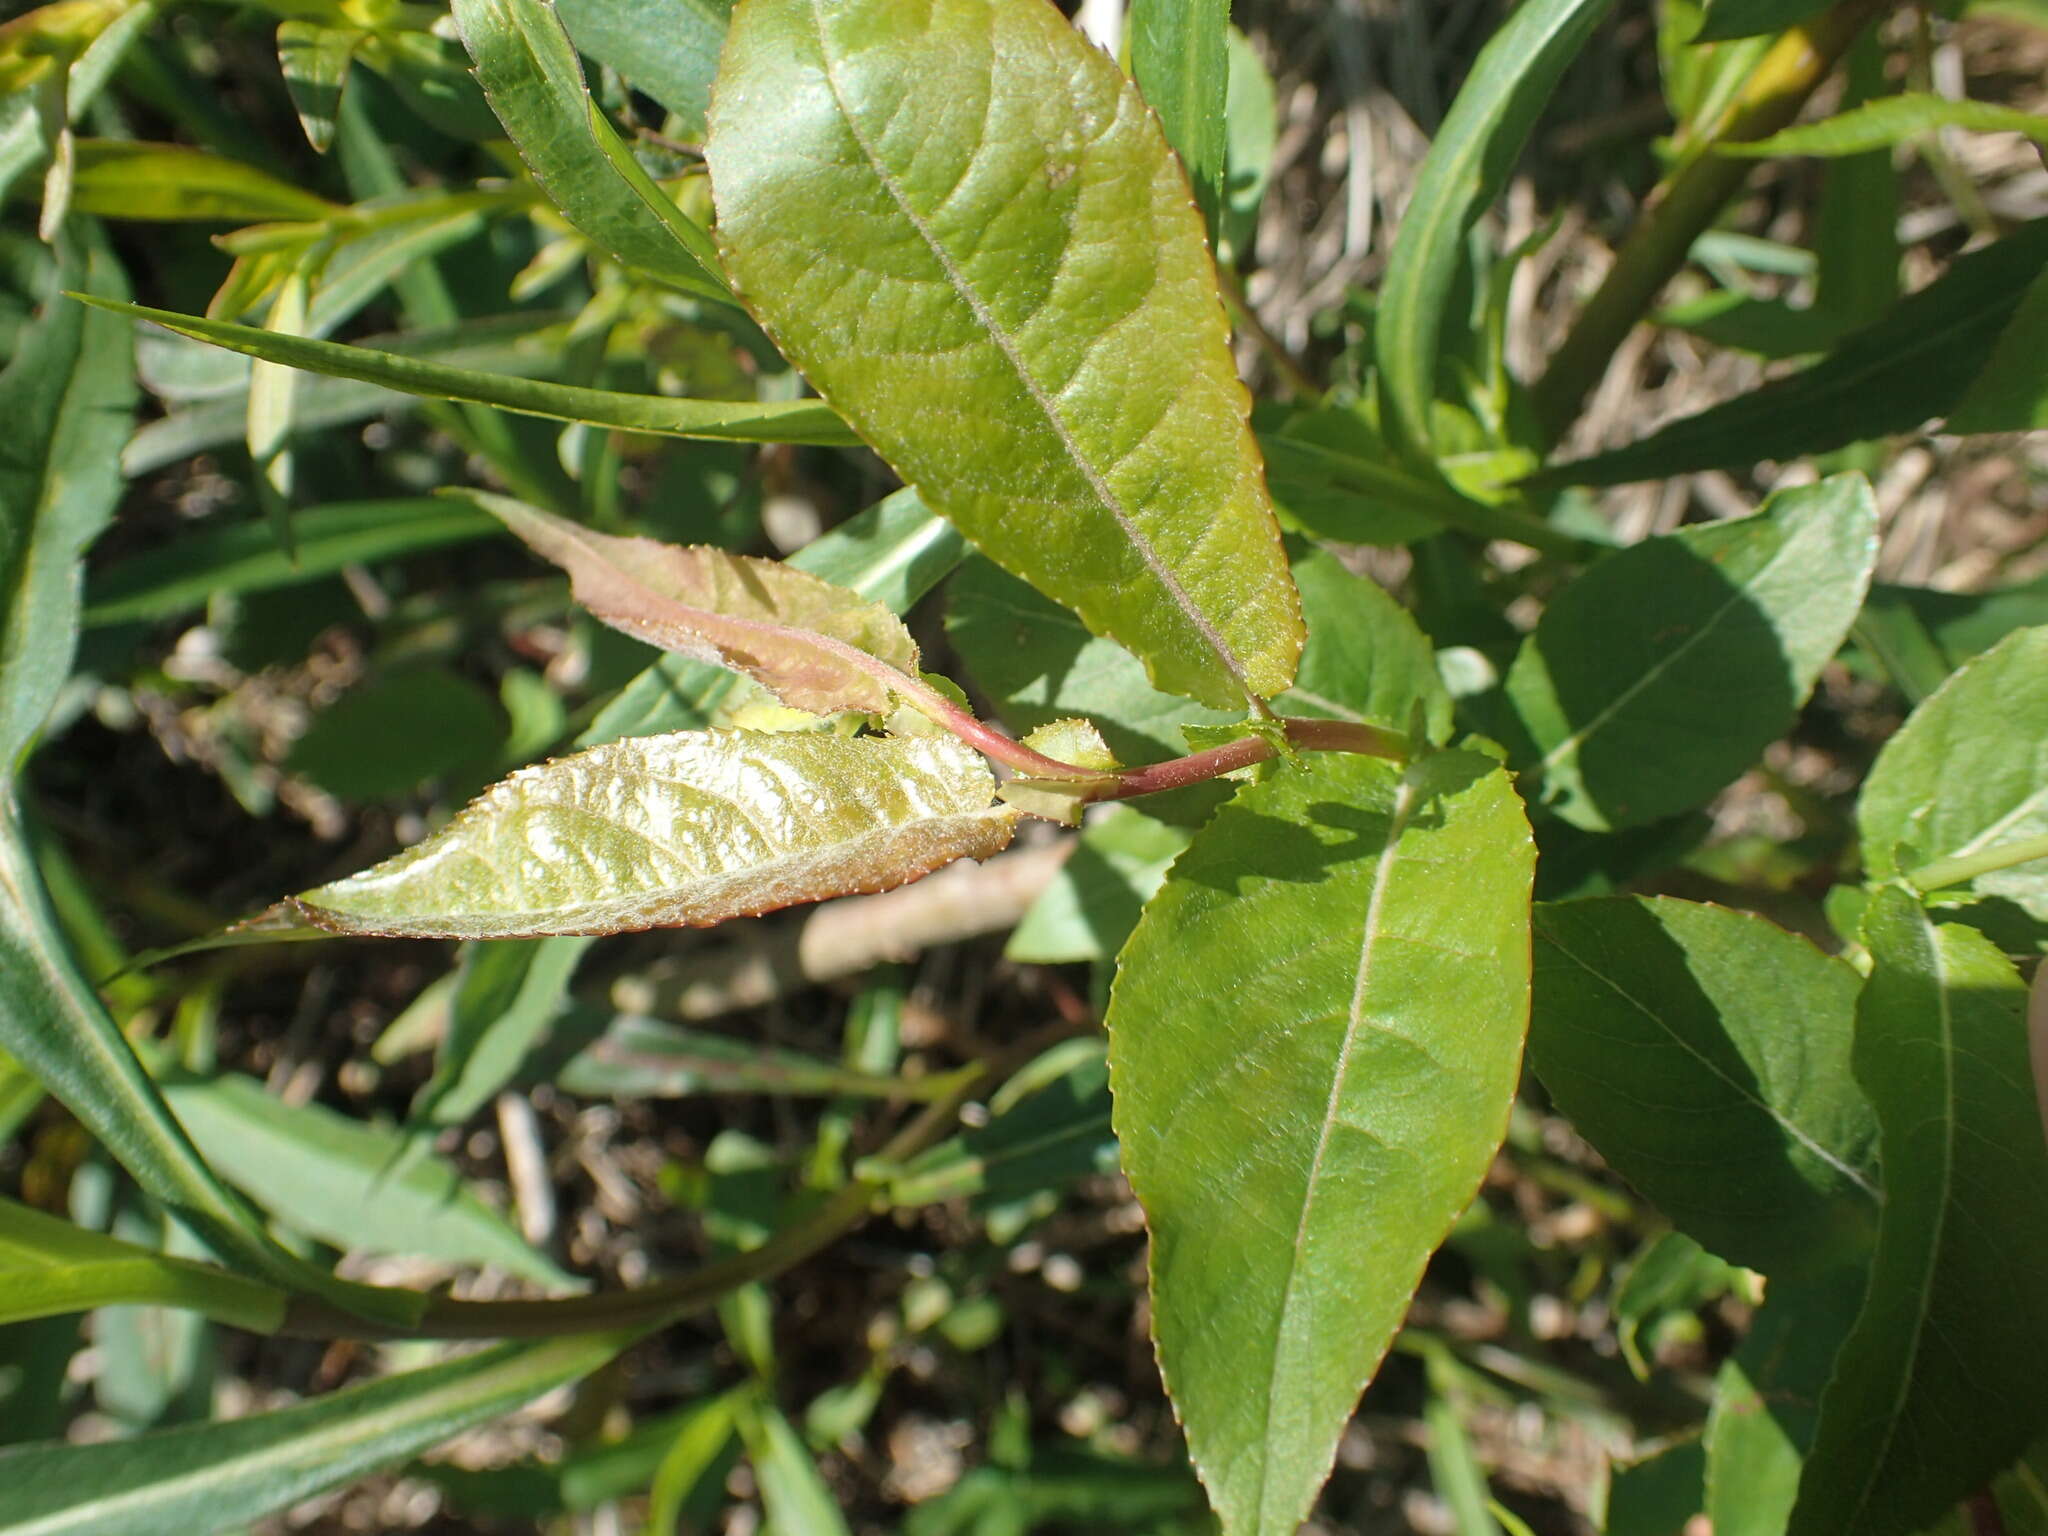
(961, 222)
(1314, 1037)
(678, 830)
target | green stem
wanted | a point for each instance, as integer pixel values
(1685, 205)
(1959, 868)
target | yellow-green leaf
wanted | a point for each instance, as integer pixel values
(681, 830)
(960, 220)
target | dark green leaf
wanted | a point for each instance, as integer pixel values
(204, 563)
(1093, 903)
(531, 75)
(1705, 1054)
(1636, 710)
(1744, 18)
(1180, 59)
(1955, 626)
(793, 421)
(1658, 1495)
(67, 396)
(794, 1497)
(212, 1477)
(1939, 1384)
(667, 48)
(640, 1058)
(1314, 1038)
(1767, 1401)
(2011, 394)
(1990, 719)
(1251, 126)
(1913, 364)
(339, 1180)
(963, 225)
(392, 735)
(1467, 166)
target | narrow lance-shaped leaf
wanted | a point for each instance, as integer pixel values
(1992, 716)
(1180, 58)
(210, 1477)
(962, 223)
(124, 179)
(1636, 710)
(1939, 1384)
(315, 61)
(2011, 393)
(531, 76)
(781, 421)
(49, 1267)
(813, 644)
(1914, 362)
(1314, 1039)
(1468, 164)
(1882, 123)
(682, 830)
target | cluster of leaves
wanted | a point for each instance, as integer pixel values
(973, 236)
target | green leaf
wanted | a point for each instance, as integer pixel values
(1093, 903)
(809, 642)
(198, 565)
(641, 1058)
(1855, 238)
(1336, 478)
(1745, 18)
(791, 421)
(1657, 1495)
(688, 829)
(1179, 57)
(1467, 166)
(67, 396)
(2011, 394)
(1767, 1401)
(391, 735)
(1251, 127)
(667, 48)
(338, 1180)
(49, 1267)
(1705, 1054)
(793, 1493)
(534, 82)
(127, 179)
(963, 225)
(315, 61)
(213, 1477)
(1954, 626)
(1314, 1038)
(1914, 363)
(1636, 710)
(1039, 664)
(1887, 121)
(499, 345)
(1671, 1274)
(506, 996)
(1365, 659)
(1916, 807)
(1939, 1384)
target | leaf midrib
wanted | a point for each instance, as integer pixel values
(1406, 797)
(1007, 346)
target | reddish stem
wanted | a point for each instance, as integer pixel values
(1199, 767)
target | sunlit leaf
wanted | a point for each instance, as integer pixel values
(1938, 1386)
(531, 75)
(788, 630)
(1314, 1037)
(667, 48)
(1882, 123)
(128, 179)
(1636, 710)
(1990, 720)
(1179, 56)
(963, 224)
(314, 60)
(791, 421)
(676, 830)
(49, 1267)
(210, 1477)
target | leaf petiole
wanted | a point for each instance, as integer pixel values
(1957, 868)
